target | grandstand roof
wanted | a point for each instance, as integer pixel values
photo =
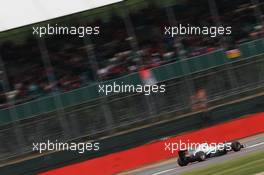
(17, 13)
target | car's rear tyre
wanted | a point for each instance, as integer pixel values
(236, 146)
(182, 162)
(201, 156)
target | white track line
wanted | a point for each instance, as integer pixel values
(165, 171)
(252, 146)
(172, 169)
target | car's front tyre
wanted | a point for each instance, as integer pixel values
(200, 156)
(182, 162)
(236, 146)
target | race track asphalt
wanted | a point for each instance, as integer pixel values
(170, 167)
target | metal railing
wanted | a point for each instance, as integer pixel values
(135, 110)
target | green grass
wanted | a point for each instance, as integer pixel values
(247, 165)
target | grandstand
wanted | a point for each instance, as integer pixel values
(113, 51)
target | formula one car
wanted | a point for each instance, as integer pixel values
(205, 150)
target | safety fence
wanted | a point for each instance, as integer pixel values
(176, 69)
(108, 114)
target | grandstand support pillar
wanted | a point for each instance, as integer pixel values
(56, 96)
(258, 13)
(89, 48)
(131, 33)
(215, 16)
(216, 19)
(135, 48)
(12, 110)
(183, 62)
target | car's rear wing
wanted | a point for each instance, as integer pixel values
(182, 153)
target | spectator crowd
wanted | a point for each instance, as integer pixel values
(126, 44)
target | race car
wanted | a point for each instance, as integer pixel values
(205, 150)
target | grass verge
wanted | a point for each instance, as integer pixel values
(247, 165)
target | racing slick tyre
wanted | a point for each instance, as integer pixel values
(182, 162)
(201, 156)
(236, 146)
